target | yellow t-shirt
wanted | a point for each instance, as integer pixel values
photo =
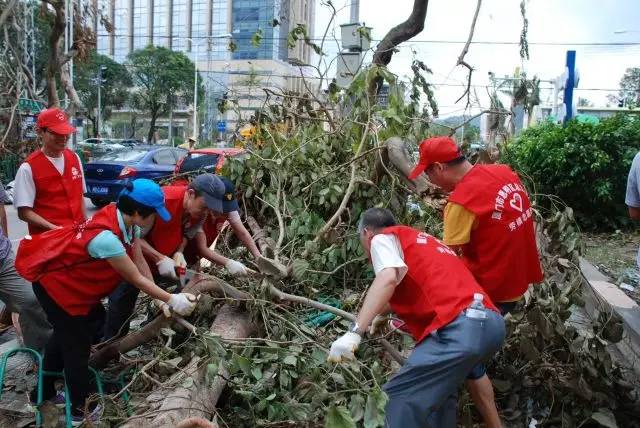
(458, 224)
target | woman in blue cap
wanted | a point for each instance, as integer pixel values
(74, 267)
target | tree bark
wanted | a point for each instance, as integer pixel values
(152, 126)
(112, 350)
(401, 33)
(57, 30)
(199, 400)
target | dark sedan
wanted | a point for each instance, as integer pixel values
(107, 175)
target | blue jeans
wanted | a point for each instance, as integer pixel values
(424, 391)
(481, 369)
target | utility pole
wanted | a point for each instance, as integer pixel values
(99, 81)
(355, 10)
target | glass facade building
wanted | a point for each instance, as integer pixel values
(247, 18)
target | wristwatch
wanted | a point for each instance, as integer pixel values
(355, 328)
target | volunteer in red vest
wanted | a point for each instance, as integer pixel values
(449, 315)
(74, 267)
(488, 220)
(199, 245)
(49, 185)
(162, 246)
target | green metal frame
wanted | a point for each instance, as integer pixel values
(43, 373)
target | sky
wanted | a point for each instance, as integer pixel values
(565, 24)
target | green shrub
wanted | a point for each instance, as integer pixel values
(584, 164)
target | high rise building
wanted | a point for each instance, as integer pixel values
(257, 29)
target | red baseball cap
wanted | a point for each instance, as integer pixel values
(435, 149)
(56, 121)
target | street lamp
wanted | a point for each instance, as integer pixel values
(195, 79)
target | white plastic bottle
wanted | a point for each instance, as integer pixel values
(477, 310)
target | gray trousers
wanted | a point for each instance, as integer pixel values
(17, 295)
(424, 392)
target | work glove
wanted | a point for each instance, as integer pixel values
(179, 260)
(344, 347)
(167, 268)
(184, 302)
(236, 268)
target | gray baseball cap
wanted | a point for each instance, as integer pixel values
(212, 189)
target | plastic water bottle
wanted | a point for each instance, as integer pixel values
(477, 310)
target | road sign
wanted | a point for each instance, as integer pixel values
(32, 106)
(222, 126)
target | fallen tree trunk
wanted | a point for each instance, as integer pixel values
(113, 349)
(198, 401)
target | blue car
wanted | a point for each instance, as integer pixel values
(107, 175)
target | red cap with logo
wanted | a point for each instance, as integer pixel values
(56, 121)
(435, 149)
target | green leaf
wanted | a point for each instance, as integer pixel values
(244, 364)
(374, 410)
(356, 407)
(257, 373)
(290, 360)
(299, 268)
(338, 417)
(605, 418)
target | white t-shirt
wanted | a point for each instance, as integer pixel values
(25, 189)
(386, 252)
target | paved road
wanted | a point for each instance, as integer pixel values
(18, 228)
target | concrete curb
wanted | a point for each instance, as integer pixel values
(602, 295)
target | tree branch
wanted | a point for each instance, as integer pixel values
(465, 49)
(401, 33)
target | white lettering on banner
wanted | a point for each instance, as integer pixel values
(497, 215)
(446, 250)
(421, 238)
(512, 226)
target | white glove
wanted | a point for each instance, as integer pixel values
(167, 268)
(179, 260)
(183, 303)
(236, 268)
(344, 347)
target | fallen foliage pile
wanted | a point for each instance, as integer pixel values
(259, 355)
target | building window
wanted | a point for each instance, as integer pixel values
(121, 30)
(140, 24)
(160, 22)
(102, 36)
(179, 25)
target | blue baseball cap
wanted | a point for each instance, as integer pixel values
(229, 202)
(149, 193)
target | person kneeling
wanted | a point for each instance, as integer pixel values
(74, 267)
(453, 321)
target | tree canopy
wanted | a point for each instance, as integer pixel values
(116, 85)
(159, 76)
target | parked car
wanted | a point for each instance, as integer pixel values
(208, 159)
(107, 175)
(94, 148)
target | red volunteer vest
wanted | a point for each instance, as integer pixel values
(502, 253)
(437, 286)
(59, 198)
(75, 280)
(166, 236)
(211, 229)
